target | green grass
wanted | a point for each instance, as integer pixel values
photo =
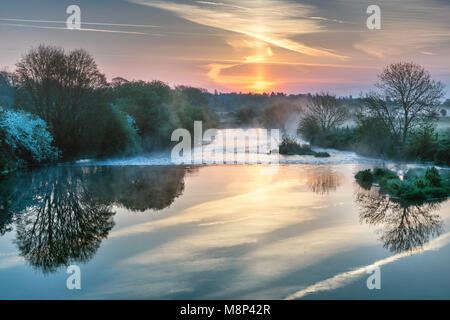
(417, 185)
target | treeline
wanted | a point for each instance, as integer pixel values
(398, 120)
(59, 102)
(270, 110)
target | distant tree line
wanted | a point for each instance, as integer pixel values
(58, 105)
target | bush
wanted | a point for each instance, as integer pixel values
(421, 183)
(433, 177)
(414, 187)
(383, 172)
(246, 115)
(321, 154)
(119, 134)
(310, 130)
(371, 139)
(25, 137)
(148, 104)
(364, 176)
(394, 186)
(336, 138)
(423, 144)
(442, 156)
(435, 193)
(291, 147)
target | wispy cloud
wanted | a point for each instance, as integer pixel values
(83, 22)
(81, 29)
(274, 22)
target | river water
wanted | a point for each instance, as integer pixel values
(138, 228)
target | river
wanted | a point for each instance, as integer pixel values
(140, 228)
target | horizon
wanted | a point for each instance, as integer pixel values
(294, 47)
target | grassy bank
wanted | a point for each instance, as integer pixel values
(415, 185)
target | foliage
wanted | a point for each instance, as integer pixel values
(423, 143)
(6, 88)
(193, 96)
(89, 117)
(24, 137)
(246, 115)
(186, 113)
(158, 110)
(414, 187)
(148, 104)
(365, 176)
(115, 132)
(289, 146)
(60, 87)
(310, 130)
(396, 122)
(433, 177)
(326, 111)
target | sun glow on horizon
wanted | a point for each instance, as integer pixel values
(261, 86)
(247, 73)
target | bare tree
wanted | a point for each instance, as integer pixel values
(407, 98)
(326, 110)
(58, 87)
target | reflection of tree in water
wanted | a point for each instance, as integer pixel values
(61, 214)
(323, 180)
(154, 188)
(404, 226)
(62, 223)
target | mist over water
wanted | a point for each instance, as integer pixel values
(163, 157)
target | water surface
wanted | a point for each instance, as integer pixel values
(210, 232)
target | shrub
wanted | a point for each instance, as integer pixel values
(364, 176)
(321, 154)
(414, 194)
(372, 139)
(435, 192)
(120, 134)
(432, 175)
(25, 137)
(421, 182)
(310, 130)
(414, 187)
(423, 143)
(394, 186)
(289, 146)
(442, 156)
(383, 172)
(246, 115)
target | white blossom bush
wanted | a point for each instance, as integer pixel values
(26, 136)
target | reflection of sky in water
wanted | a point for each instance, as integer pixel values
(234, 233)
(257, 142)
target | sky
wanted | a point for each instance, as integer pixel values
(234, 45)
